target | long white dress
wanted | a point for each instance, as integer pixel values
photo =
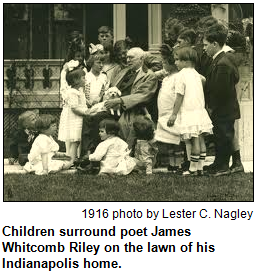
(43, 144)
(114, 156)
(192, 118)
(166, 100)
(70, 126)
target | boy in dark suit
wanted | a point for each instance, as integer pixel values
(221, 98)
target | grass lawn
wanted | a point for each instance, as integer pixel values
(158, 187)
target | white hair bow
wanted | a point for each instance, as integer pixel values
(72, 64)
(94, 48)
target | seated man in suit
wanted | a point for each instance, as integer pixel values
(221, 97)
(137, 87)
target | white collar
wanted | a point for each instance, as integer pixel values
(100, 76)
(226, 49)
(217, 54)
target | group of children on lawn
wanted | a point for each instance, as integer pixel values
(182, 118)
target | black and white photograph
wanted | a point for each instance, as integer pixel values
(107, 102)
(128, 134)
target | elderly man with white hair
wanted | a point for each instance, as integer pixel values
(137, 88)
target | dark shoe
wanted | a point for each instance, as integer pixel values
(172, 168)
(237, 167)
(219, 172)
(86, 169)
(83, 163)
(157, 164)
(77, 162)
(185, 165)
(179, 171)
(63, 158)
(210, 167)
(137, 171)
(190, 173)
(175, 169)
(200, 173)
(23, 159)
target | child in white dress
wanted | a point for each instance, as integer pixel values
(44, 149)
(75, 59)
(74, 109)
(189, 109)
(112, 152)
(96, 81)
(168, 137)
(95, 85)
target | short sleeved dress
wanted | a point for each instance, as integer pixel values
(114, 156)
(192, 118)
(166, 100)
(95, 86)
(70, 126)
(64, 87)
(43, 144)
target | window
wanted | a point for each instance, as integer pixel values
(66, 19)
(41, 31)
(16, 31)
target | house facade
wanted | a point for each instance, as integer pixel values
(35, 44)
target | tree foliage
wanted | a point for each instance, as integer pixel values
(189, 14)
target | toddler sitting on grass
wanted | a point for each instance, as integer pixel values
(44, 155)
(145, 149)
(112, 152)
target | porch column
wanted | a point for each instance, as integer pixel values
(119, 21)
(154, 27)
(220, 11)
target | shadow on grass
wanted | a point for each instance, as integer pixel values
(157, 187)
